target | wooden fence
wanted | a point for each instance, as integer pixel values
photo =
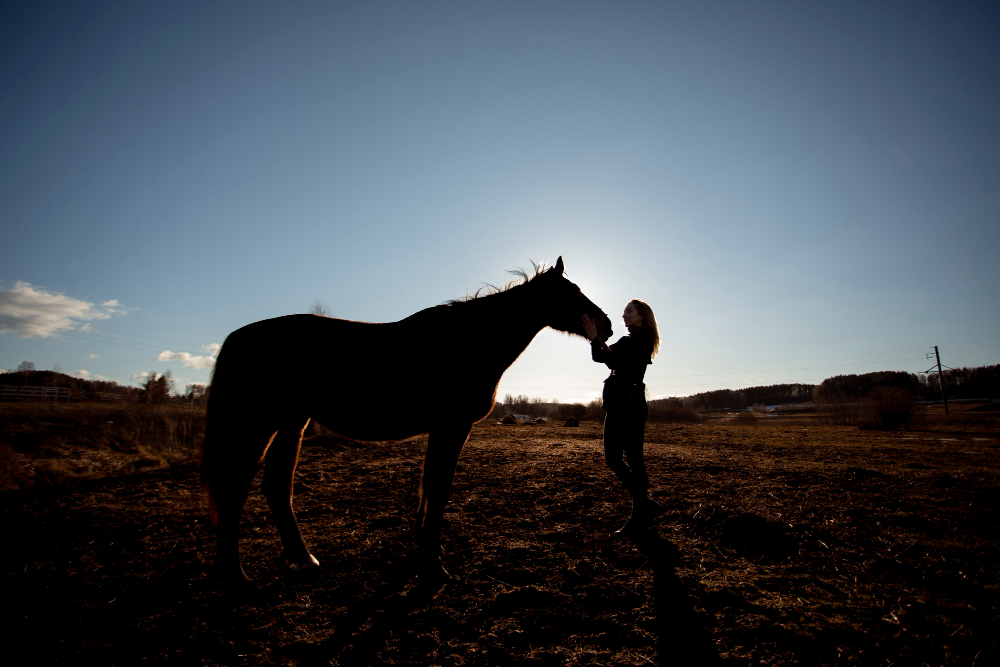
(12, 393)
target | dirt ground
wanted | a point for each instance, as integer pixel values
(785, 542)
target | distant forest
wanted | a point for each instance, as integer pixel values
(737, 399)
(979, 382)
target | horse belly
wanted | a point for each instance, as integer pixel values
(377, 420)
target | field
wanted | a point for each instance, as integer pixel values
(786, 541)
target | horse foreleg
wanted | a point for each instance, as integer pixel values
(443, 449)
(279, 475)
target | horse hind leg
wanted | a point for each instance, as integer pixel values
(229, 471)
(279, 474)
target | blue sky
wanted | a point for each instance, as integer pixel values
(800, 190)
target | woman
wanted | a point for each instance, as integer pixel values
(625, 403)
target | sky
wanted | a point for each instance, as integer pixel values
(798, 189)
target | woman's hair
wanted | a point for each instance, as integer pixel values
(648, 323)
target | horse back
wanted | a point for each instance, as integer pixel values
(362, 379)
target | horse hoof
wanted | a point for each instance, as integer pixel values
(233, 576)
(433, 576)
(631, 526)
(238, 587)
(652, 509)
(309, 563)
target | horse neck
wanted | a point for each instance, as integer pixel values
(513, 319)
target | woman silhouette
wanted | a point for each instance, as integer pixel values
(625, 403)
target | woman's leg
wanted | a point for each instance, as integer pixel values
(623, 436)
(634, 441)
(616, 441)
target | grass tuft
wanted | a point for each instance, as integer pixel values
(745, 418)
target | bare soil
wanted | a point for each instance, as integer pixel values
(785, 542)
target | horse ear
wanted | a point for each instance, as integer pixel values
(559, 266)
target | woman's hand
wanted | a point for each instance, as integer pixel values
(589, 328)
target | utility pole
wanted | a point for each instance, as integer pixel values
(944, 396)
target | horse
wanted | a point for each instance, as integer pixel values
(458, 349)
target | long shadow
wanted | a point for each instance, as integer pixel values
(682, 637)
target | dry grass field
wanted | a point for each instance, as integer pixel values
(786, 541)
(50, 443)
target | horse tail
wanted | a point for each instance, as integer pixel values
(217, 452)
(209, 469)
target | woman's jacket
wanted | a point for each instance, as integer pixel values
(627, 359)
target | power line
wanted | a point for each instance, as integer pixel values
(783, 370)
(594, 378)
(124, 333)
(778, 361)
(591, 382)
(94, 338)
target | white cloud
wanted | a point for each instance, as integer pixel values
(93, 356)
(34, 311)
(211, 349)
(189, 360)
(87, 375)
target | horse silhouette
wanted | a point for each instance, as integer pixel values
(345, 374)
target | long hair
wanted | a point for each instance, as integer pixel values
(648, 323)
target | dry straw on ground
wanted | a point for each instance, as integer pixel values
(789, 542)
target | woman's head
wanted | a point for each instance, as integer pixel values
(639, 309)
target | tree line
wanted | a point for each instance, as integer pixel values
(158, 388)
(851, 388)
(737, 399)
(978, 382)
(540, 407)
(970, 383)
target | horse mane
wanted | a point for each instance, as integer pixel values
(521, 277)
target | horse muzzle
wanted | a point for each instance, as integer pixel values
(603, 326)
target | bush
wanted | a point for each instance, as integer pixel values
(745, 418)
(672, 414)
(886, 408)
(840, 414)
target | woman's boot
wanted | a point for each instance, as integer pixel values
(644, 510)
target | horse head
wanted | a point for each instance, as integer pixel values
(565, 304)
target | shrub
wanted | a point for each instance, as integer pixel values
(840, 414)
(659, 413)
(745, 418)
(886, 408)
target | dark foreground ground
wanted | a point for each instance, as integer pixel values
(784, 543)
